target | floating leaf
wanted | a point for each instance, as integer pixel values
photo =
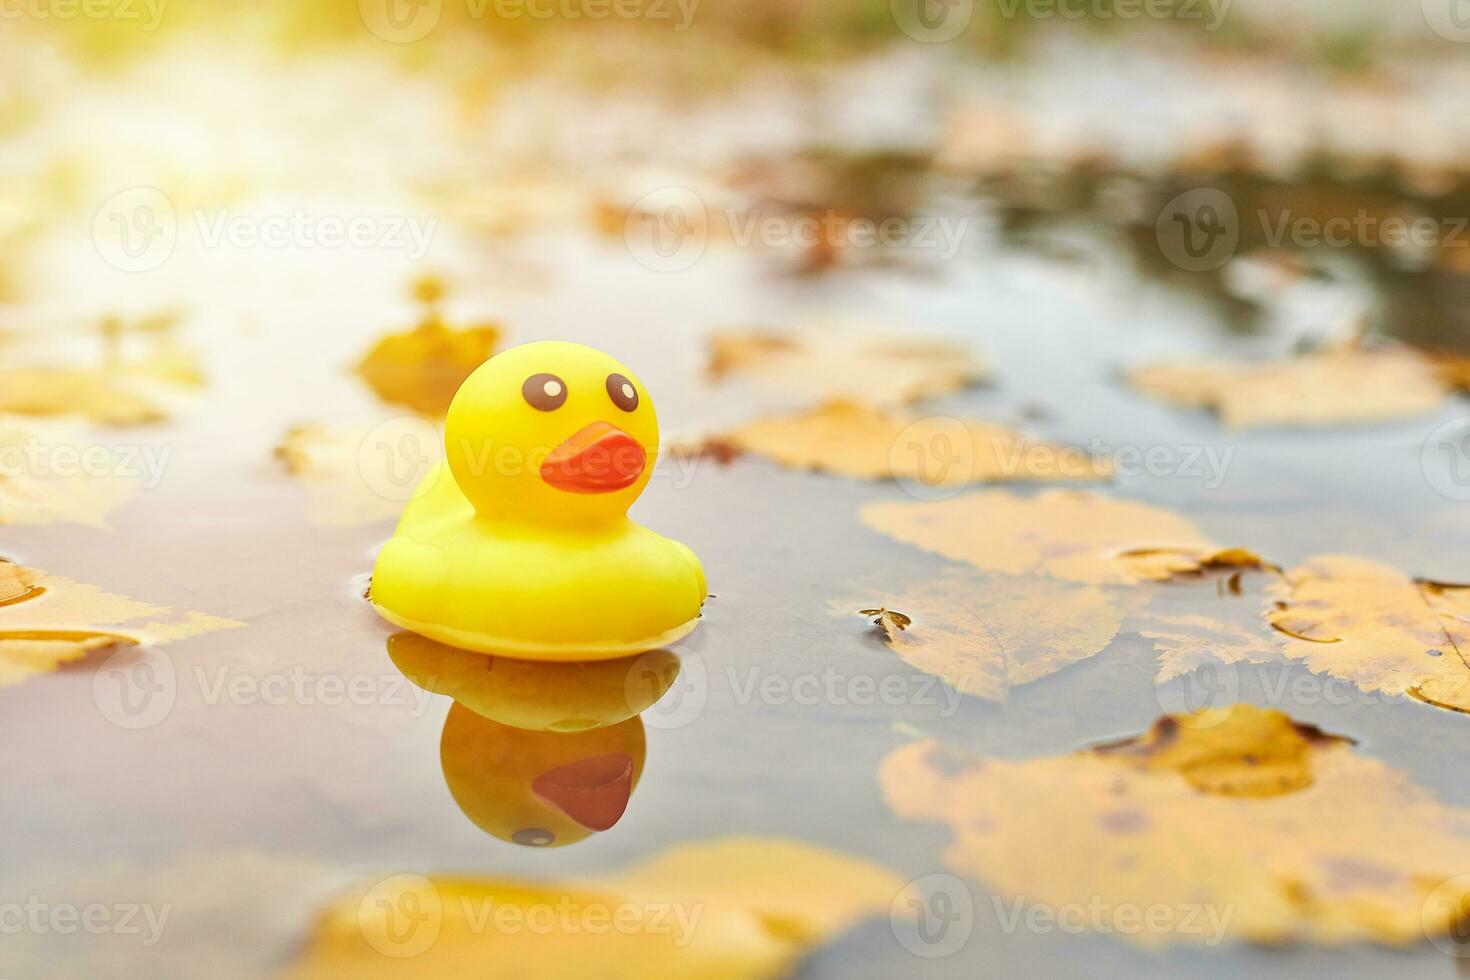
(1237, 823)
(136, 393)
(825, 363)
(731, 908)
(1342, 384)
(853, 439)
(985, 636)
(1374, 626)
(1187, 642)
(423, 368)
(39, 496)
(1081, 537)
(57, 620)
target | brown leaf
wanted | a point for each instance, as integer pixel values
(858, 440)
(985, 636)
(1073, 535)
(1343, 384)
(1233, 824)
(1374, 626)
(423, 368)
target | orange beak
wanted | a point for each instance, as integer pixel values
(600, 458)
(593, 791)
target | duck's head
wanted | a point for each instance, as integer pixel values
(551, 431)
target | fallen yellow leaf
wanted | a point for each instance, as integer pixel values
(854, 439)
(423, 368)
(56, 620)
(1073, 535)
(985, 636)
(825, 362)
(135, 393)
(1343, 384)
(40, 495)
(1242, 826)
(1374, 626)
(731, 908)
(1185, 643)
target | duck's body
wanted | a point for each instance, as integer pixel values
(541, 563)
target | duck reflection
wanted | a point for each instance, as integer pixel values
(539, 754)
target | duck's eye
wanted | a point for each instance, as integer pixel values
(622, 392)
(545, 392)
(533, 837)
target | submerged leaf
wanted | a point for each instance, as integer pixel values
(854, 439)
(731, 908)
(1187, 642)
(423, 368)
(984, 636)
(824, 363)
(1374, 626)
(57, 620)
(1072, 535)
(1343, 384)
(1244, 825)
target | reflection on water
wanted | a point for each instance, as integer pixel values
(539, 754)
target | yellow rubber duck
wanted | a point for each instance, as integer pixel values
(540, 789)
(519, 543)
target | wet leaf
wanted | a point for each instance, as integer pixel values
(853, 439)
(39, 496)
(1187, 642)
(827, 362)
(1342, 384)
(57, 620)
(1376, 627)
(984, 636)
(1072, 535)
(1235, 824)
(423, 368)
(731, 908)
(136, 393)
